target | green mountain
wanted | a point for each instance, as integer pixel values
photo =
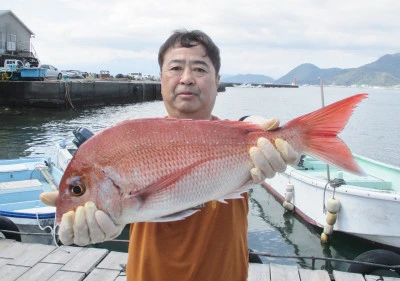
(247, 78)
(383, 72)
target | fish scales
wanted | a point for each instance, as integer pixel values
(146, 169)
(144, 160)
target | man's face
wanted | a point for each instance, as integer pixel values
(188, 83)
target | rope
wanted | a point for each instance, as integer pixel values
(67, 95)
(395, 267)
(52, 229)
(51, 233)
(333, 183)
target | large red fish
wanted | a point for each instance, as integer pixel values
(151, 169)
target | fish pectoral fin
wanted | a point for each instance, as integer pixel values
(135, 200)
(176, 216)
(168, 180)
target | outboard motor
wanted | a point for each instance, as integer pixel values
(81, 135)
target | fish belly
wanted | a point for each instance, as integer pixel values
(212, 180)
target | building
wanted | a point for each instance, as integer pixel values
(15, 39)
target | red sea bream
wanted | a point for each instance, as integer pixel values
(150, 169)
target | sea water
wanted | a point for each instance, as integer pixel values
(373, 131)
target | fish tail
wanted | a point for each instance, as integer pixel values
(318, 132)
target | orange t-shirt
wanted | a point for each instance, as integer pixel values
(207, 246)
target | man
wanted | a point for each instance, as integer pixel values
(212, 243)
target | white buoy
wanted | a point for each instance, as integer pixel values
(332, 206)
(287, 204)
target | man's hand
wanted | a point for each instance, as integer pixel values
(84, 226)
(266, 158)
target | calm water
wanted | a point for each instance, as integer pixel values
(373, 131)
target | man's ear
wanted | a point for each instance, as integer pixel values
(217, 80)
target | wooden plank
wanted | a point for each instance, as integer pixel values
(313, 275)
(12, 272)
(20, 184)
(85, 260)
(3, 262)
(114, 260)
(102, 274)
(347, 276)
(10, 249)
(121, 278)
(259, 272)
(39, 272)
(62, 255)
(284, 272)
(375, 278)
(67, 276)
(32, 254)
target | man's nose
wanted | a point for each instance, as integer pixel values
(187, 77)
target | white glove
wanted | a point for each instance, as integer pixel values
(84, 226)
(267, 159)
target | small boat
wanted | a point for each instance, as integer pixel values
(21, 211)
(66, 149)
(364, 206)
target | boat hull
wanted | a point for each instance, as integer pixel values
(21, 183)
(369, 206)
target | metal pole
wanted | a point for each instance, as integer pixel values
(321, 84)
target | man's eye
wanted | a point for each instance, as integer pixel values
(176, 68)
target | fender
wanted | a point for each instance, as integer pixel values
(379, 256)
(7, 224)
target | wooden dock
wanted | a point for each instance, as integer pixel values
(38, 262)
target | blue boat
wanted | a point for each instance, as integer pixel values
(21, 211)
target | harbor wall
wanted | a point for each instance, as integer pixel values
(76, 94)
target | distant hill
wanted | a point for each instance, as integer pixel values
(383, 72)
(247, 78)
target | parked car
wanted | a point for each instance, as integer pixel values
(51, 71)
(147, 77)
(135, 76)
(72, 74)
(12, 64)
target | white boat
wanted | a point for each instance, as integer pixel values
(21, 183)
(369, 206)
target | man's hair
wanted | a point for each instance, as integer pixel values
(188, 39)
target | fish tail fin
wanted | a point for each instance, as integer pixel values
(319, 131)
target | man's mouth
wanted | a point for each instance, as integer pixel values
(186, 94)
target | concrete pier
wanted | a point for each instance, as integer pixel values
(76, 94)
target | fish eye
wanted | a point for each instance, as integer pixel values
(76, 187)
(77, 190)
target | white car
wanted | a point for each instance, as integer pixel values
(135, 76)
(72, 74)
(51, 71)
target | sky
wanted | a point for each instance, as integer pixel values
(254, 36)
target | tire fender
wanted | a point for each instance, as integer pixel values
(379, 256)
(7, 224)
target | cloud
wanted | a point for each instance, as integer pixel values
(255, 36)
